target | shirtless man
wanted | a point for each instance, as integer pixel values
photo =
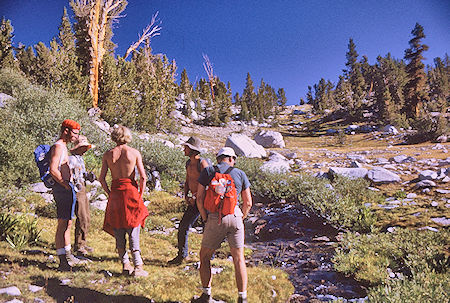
(64, 193)
(125, 212)
(194, 166)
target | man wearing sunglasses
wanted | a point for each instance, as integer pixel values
(63, 192)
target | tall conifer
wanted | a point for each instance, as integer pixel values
(415, 92)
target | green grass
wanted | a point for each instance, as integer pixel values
(91, 283)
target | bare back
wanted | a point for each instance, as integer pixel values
(122, 160)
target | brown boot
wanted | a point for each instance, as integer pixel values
(139, 271)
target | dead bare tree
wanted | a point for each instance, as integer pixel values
(209, 71)
(100, 15)
(152, 30)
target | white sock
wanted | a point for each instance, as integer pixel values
(67, 248)
(60, 251)
(207, 290)
(242, 294)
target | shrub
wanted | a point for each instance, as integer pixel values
(34, 117)
(341, 203)
(427, 286)
(19, 230)
(409, 252)
(168, 161)
(12, 199)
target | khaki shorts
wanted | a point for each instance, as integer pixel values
(232, 228)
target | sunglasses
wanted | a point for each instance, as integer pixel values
(75, 133)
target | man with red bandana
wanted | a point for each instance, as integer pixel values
(63, 192)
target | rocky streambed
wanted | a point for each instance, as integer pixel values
(288, 237)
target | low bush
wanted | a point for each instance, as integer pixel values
(19, 230)
(33, 117)
(168, 161)
(427, 287)
(342, 203)
(12, 199)
(407, 253)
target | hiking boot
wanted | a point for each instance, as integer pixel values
(72, 260)
(64, 264)
(176, 261)
(242, 300)
(139, 271)
(204, 298)
(88, 249)
(127, 269)
(82, 252)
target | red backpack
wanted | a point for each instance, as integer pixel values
(221, 195)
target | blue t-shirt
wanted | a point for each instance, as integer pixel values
(239, 177)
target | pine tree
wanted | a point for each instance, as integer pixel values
(71, 73)
(389, 81)
(46, 73)
(249, 98)
(439, 83)
(281, 96)
(186, 89)
(6, 48)
(415, 92)
(309, 96)
(354, 76)
(117, 96)
(26, 60)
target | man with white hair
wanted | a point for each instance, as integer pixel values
(223, 219)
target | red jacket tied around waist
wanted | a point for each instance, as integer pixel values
(125, 207)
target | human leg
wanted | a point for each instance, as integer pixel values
(235, 238)
(240, 268)
(134, 235)
(65, 207)
(189, 217)
(121, 241)
(205, 266)
(82, 221)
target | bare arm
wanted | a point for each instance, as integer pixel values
(200, 198)
(204, 164)
(246, 201)
(55, 157)
(102, 177)
(142, 174)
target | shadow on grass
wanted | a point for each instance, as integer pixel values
(23, 262)
(65, 293)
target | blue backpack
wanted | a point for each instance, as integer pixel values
(42, 158)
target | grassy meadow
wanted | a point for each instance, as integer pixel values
(101, 279)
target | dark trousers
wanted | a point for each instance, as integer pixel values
(83, 218)
(190, 216)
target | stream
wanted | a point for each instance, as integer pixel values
(288, 237)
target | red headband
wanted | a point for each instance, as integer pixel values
(71, 124)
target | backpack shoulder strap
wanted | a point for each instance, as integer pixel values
(216, 168)
(229, 170)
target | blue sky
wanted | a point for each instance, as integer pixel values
(290, 44)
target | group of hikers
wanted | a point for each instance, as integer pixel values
(210, 192)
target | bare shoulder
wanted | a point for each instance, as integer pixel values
(108, 154)
(204, 163)
(134, 151)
